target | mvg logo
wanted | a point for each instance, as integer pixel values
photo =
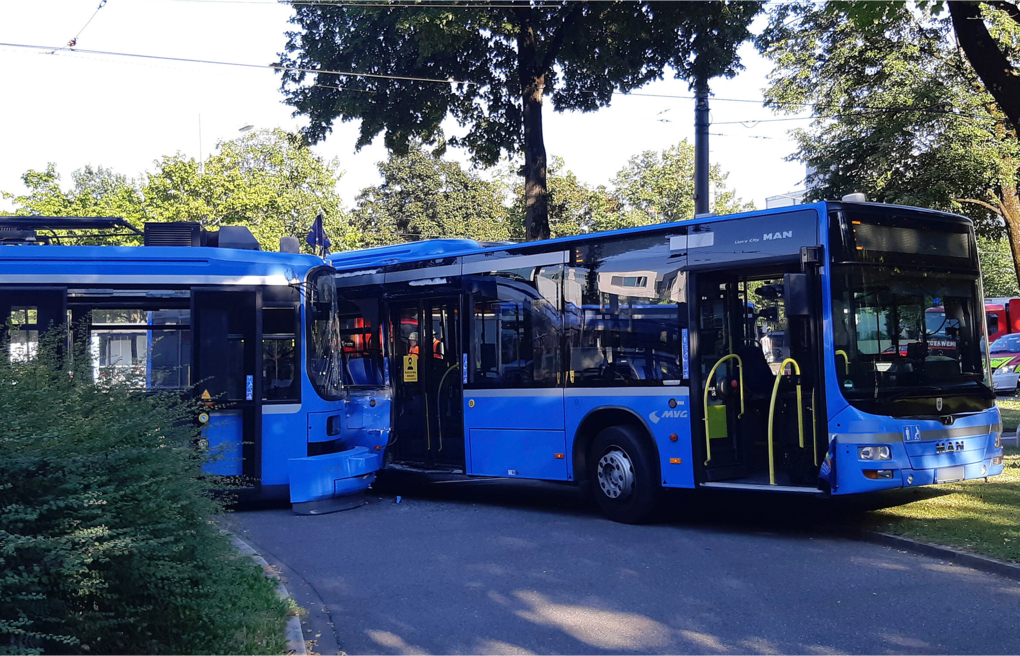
(785, 234)
(668, 414)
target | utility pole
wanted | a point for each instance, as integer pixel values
(701, 146)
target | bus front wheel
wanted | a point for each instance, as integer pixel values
(623, 477)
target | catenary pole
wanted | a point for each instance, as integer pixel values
(701, 146)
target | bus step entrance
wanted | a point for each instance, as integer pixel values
(725, 472)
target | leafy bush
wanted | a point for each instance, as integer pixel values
(107, 536)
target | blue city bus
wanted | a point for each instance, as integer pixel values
(254, 334)
(787, 350)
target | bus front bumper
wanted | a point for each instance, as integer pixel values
(869, 477)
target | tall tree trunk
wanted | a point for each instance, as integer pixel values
(1009, 202)
(983, 53)
(532, 78)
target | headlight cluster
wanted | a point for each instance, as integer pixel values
(1007, 369)
(874, 453)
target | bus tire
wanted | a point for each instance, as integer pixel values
(623, 476)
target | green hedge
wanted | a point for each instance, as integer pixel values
(108, 540)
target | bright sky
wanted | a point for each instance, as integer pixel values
(73, 108)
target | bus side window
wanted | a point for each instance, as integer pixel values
(279, 355)
(625, 313)
(517, 336)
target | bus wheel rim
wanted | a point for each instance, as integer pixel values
(616, 474)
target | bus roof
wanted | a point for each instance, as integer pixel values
(440, 248)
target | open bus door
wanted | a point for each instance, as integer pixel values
(758, 347)
(227, 336)
(428, 416)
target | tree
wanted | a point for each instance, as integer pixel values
(501, 59)
(95, 191)
(659, 187)
(985, 31)
(423, 196)
(901, 116)
(998, 276)
(574, 207)
(268, 180)
(651, 188)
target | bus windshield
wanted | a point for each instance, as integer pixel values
(901, 332)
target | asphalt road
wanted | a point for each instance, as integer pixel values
(517, 567)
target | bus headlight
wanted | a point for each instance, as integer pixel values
(874, 453)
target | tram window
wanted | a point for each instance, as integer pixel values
(325, 361)
(24, 333)
(279, 355)
(517, 340)
(361, 334)
(624, 308)
(144, 349)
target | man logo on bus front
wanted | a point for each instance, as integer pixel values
(938, 404)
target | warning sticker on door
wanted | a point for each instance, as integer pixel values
(410, 368)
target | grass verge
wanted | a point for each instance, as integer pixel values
(1010, 409)
(972, 515)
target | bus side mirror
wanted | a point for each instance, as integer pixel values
(795, 295)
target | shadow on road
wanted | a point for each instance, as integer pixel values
(721, 509)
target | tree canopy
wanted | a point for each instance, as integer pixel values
(658, 187)
(986, 32)
(268, 180)
(423, 196)
(407, 68)
(95, 191)
(900, 113)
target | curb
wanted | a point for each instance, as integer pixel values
(295, 639)
(955, 556)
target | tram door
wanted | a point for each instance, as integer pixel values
(749, 326)
(428, 417)
(227, 332)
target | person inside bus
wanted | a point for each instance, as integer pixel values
(412, 346)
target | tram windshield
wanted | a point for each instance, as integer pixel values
(325, 341)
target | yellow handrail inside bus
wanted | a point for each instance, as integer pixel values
(708, 384)
(814, 429)
(772, 409)
(846, 361)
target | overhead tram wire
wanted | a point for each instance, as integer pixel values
(873, 108)
(74, 40)
(864, 108)
(274, 67)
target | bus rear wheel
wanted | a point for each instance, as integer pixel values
(622, 475)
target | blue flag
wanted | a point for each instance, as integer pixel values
(317, 238)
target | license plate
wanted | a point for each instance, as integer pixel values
(949, 474)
